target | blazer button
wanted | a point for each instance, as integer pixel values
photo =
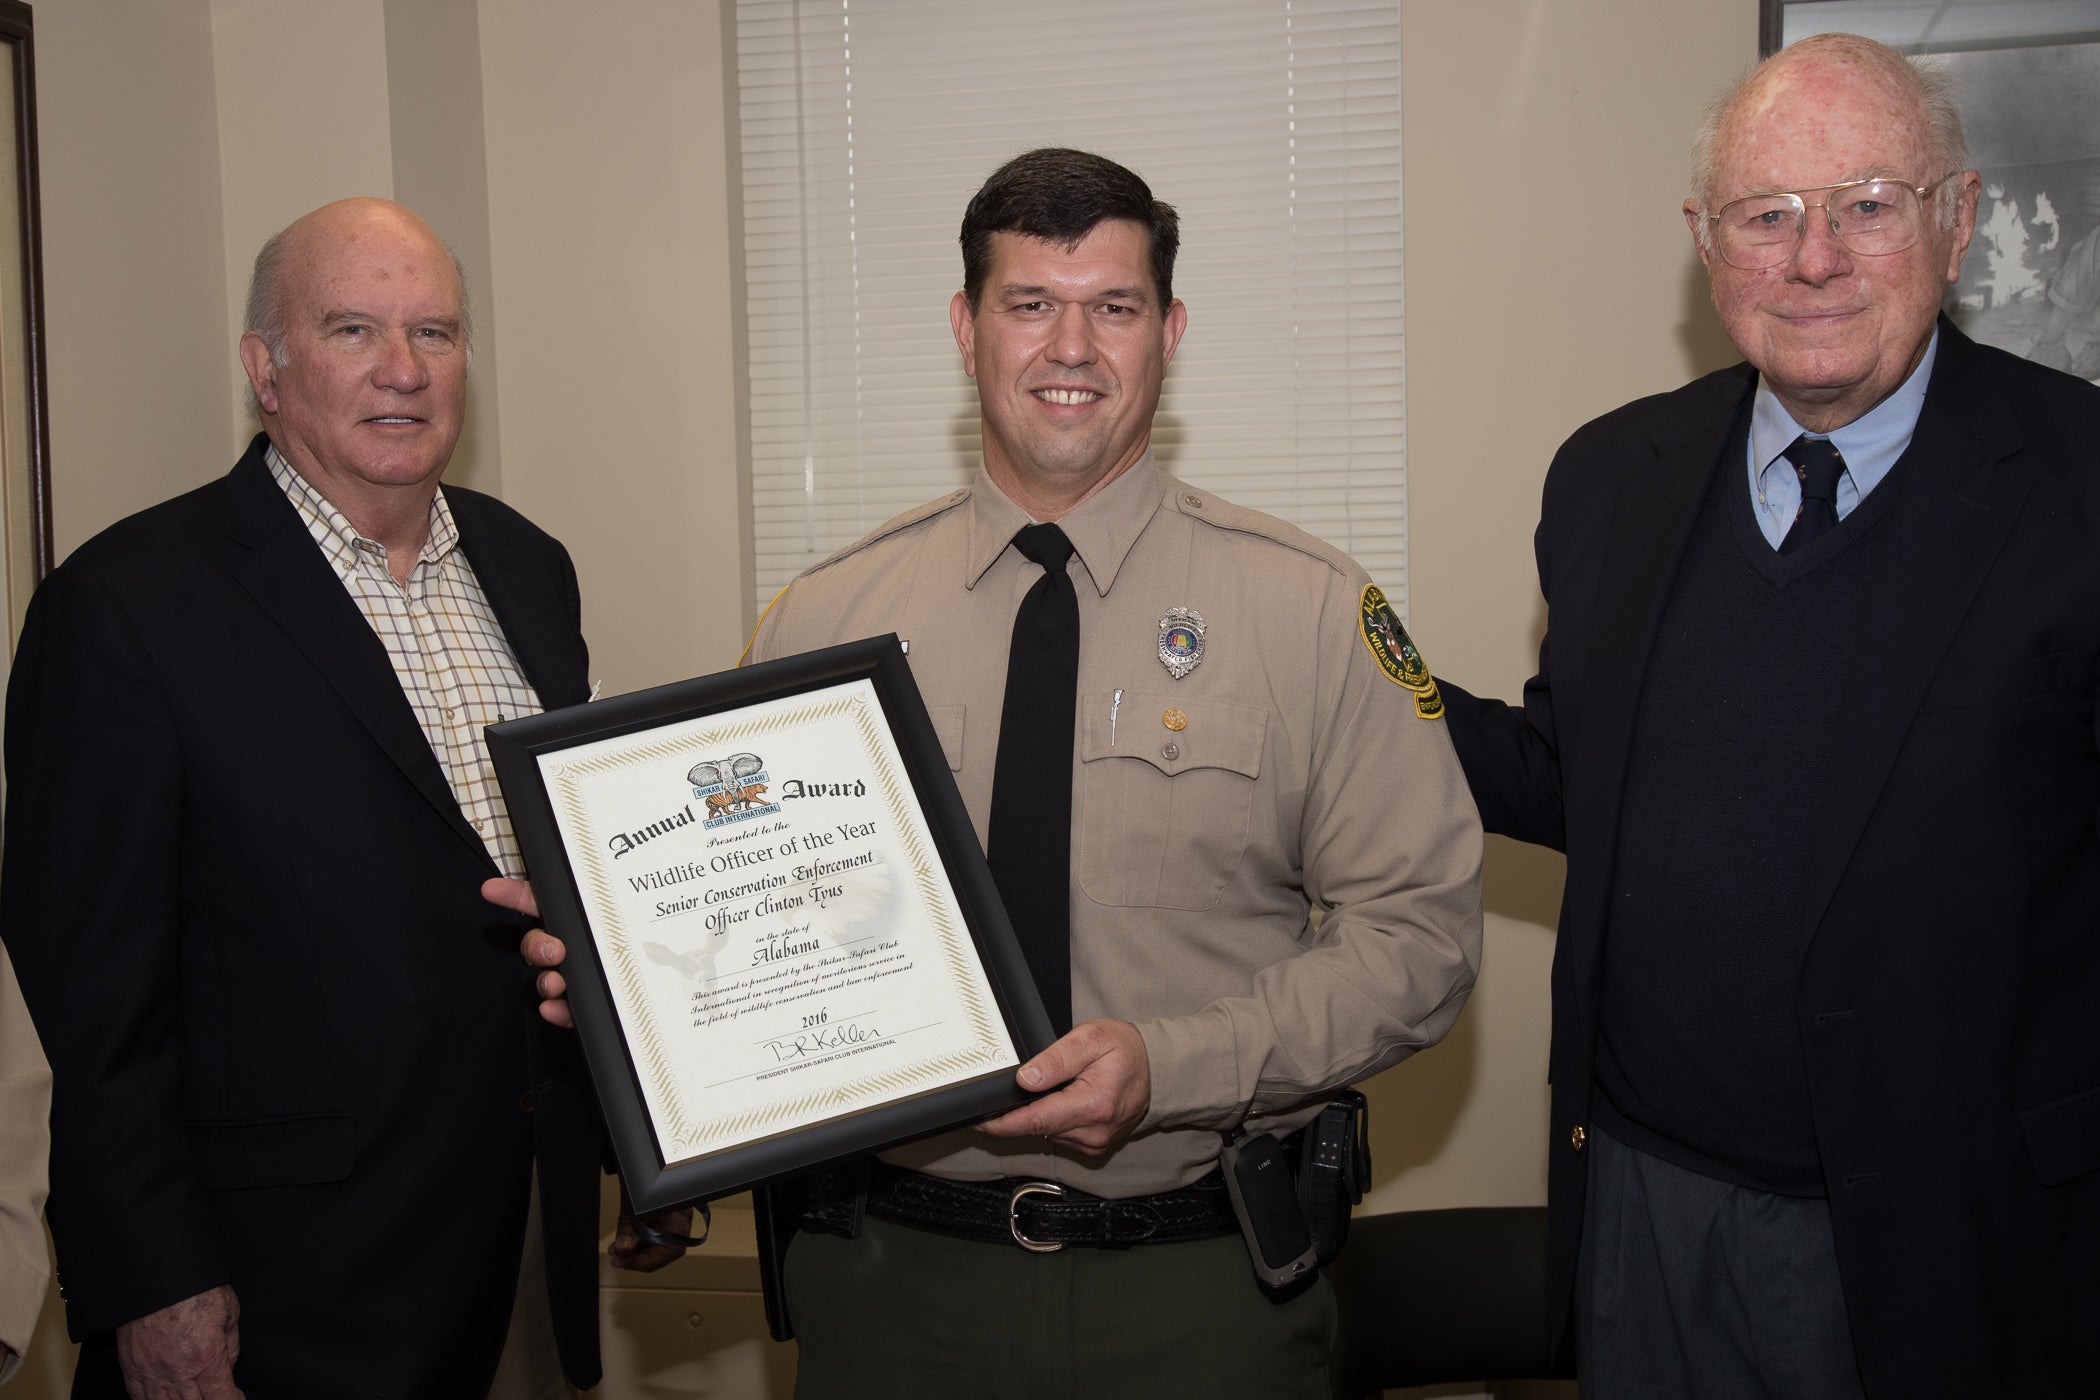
(1577, 1137)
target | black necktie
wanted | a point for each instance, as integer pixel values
(1030, 848)
(1819, 466)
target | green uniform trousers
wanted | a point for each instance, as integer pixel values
(903, 1314)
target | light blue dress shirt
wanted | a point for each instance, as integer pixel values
(1869, 445)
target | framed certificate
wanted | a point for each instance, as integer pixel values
(784, 945)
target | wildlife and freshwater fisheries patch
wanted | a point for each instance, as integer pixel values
(1395, 652)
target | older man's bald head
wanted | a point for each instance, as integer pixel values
(342, 220)
(1928, 90)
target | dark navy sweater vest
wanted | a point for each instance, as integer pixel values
(1700, 1057)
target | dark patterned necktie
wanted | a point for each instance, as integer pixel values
(1819, 466)
(1030, 846)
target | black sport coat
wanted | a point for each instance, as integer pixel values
(294, 1049)
(1950, 989)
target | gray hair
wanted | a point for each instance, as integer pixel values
(1929, 82)
(267, 317)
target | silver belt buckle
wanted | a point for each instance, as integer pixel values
(1013, 1215)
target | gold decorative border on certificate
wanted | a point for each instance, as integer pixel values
(690, 1135)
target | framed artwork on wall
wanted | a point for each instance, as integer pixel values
(2028, 78)
(25, 460)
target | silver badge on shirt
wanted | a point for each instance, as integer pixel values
(1180, 641)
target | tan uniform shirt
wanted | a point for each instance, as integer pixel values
(1302, 776)
(25, 1149)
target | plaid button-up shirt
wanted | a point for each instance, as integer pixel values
(448, 651)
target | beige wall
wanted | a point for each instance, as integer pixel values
(134, 260)
(1512, 108)
(578, 158)
(608, 208)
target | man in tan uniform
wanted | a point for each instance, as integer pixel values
(25, 1144)
(1285, 767)
(1255, 738)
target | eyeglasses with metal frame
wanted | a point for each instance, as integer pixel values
(1870, 217)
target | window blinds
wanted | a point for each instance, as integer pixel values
(1273, 126)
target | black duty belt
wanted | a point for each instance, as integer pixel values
(1045, 1216)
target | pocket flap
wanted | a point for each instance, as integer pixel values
(1213, 733)
(2063, 1138)
(273, 1151)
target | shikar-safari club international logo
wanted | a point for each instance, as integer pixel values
(1395, 652)
(731, 789)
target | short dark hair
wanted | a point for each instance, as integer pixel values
(1059, 195)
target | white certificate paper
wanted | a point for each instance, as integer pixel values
(779, 941)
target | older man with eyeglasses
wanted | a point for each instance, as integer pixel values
(1815, 725)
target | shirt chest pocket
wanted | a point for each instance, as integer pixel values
(1165, 811)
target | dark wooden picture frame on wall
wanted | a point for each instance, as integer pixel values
(25, 415)
(1771, 25)
(2028, 79)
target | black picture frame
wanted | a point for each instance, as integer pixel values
(1771, 27)
(1939, 28)
(517, 748)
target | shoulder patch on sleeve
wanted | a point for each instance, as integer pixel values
(1395, 652)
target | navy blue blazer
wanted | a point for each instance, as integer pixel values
(1950, 988)
(294, 1049)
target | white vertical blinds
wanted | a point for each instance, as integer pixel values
(1273, 126)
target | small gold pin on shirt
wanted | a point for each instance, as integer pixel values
(1175, 720)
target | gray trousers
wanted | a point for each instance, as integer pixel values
(907, 1314)
(1691, 1288)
